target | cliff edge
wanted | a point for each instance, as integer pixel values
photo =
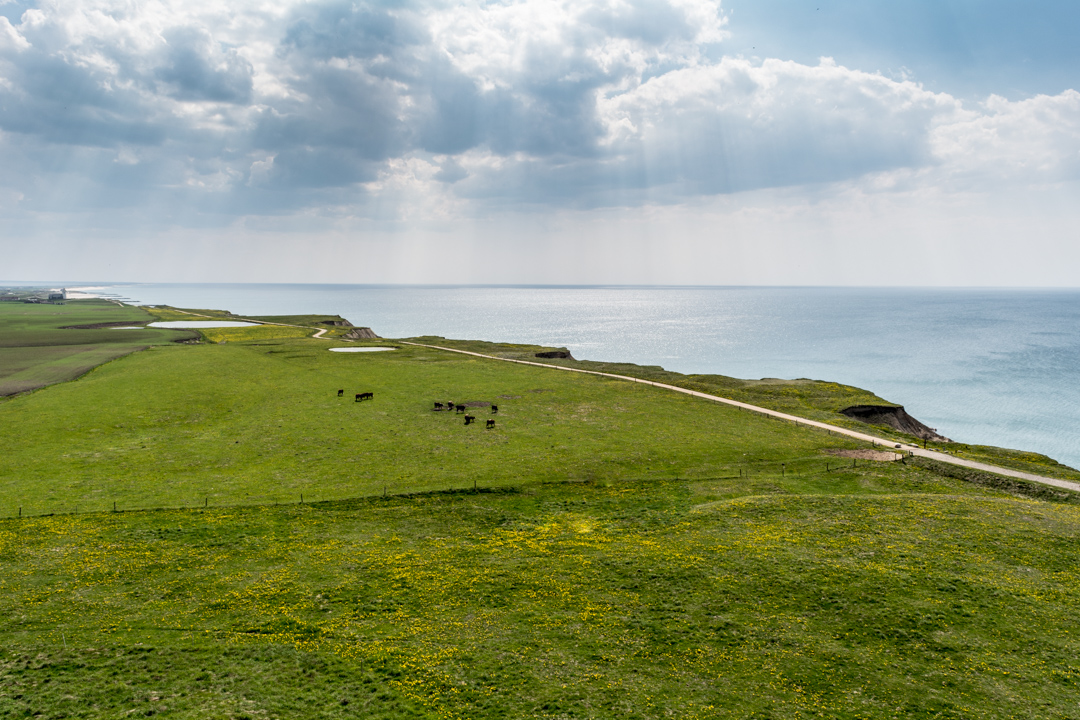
(893, 416)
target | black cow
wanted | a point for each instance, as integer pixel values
(364, 396)
(460, 408)
(438, 406)
(469, 419)
(494, 409)
(490, 424)
(358, 397)
(340, 393)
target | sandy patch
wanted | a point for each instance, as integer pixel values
(879, 455)
(360, 349)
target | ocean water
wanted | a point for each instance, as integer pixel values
(996, 367)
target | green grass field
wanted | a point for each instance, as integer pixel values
(812, 399)
(642, 600)
(262, 423)
(627, 552)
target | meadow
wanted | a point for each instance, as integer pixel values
(812, 399)
(261, 422)
(607, 550)
(641, 599)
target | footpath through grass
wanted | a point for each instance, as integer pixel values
(627, 553)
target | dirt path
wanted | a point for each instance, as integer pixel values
(876, 441)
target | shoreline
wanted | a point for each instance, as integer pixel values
(962, 381)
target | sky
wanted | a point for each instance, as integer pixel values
(744, 142)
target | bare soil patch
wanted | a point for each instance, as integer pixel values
(879, 455)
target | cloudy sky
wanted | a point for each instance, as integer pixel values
(835, 142)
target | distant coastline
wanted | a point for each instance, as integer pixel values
(999, 367)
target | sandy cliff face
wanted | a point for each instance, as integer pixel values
(895, 417)
(361, 333)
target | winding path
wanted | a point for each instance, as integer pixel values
(884, 443)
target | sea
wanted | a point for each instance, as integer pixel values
(988, 366)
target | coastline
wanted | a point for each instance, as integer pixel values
(999, 368)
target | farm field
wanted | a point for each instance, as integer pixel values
(39, 346)
(607, 550)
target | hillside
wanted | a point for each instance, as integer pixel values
(606, 550)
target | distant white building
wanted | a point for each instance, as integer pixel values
(61, 295)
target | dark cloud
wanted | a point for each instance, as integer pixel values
(452, 115)
(451, 172)
(59, 102)
(320, 167)
(197, 68)
(354, 30)
(342, 109)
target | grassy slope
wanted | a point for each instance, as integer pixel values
(595, 585)
(813, 399)
(263, 423)
(36, 351)
(640, 600)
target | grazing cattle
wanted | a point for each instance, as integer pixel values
(469, 419)
(460, 408)
(438, 406)
(490, 424)
(340, 393)
(364, 396)
(494, 409)
(358, 397)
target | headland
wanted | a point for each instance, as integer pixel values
(220, 525)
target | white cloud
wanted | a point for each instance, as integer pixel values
(444, 112)
(10, 39)
(1034, 140)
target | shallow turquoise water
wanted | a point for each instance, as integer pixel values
(999, 367)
